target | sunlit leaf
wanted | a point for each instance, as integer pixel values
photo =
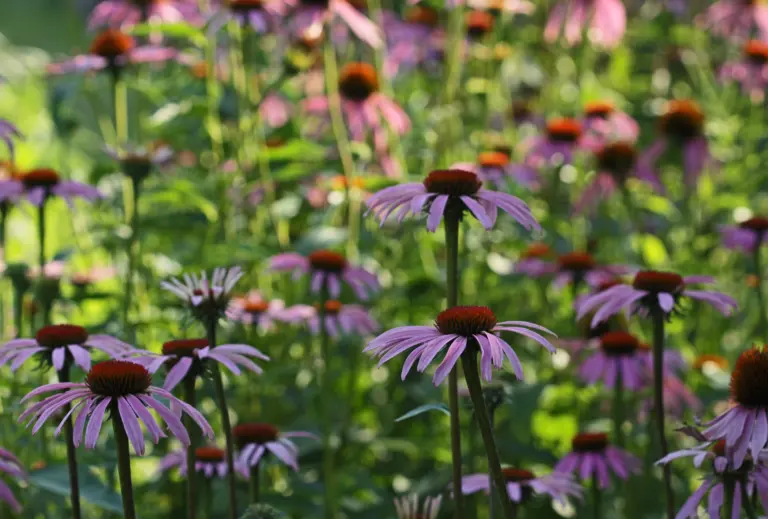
(423, 409)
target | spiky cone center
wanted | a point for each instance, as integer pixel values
(210, 454)
(576, 262)
(718, 448)
(589, 442)
(513, 475)
(599, 109)
(683, 119)
(315, 3)
(756, 224)
(246, 6)
(259, 433)
(42, 177)
(256, 307)
(749, 380)
(466, 321)
(479, 23)
(756, 52)
(111, 44)
(357, 81)
(327, 261)
(605, 285)
(564, 130)
(618, 344)
(331, 307)
(617, 158)
(58, 335)
(360, 5)
(146, 3)
(137, 166)
(655, 282)
(455, 182)
(422, 15)
(493, 159)
(116, 378)
(709, 359)
(520, 111)
(537, 251)
(184, 347)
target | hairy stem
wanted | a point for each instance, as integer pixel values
(326, 396)
(131, 250)
(123, 465)
(618, 410)
(74, 481)
(597, 502)
(191, 398)
(658, 399)
(254, 483)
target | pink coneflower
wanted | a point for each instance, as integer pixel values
(113, 50)
(570, 268)
(339, 318)
(457, 329)
(651, 291)
(261, 16)
(38, 185)
(747, 235)
(125, 13)
(592, 456)
(10, 466)
(253, 310)
(562, 137)
(744, 427)
(496, 168)
(208, 300)
(364, 107)
(408, 507)
(415, 40)
(737, 18)
(617, 356)
(9, 132)
(522, 484)
(209, 461)
(59, 345)
(188, 357)
(327, 268)
(257, 440)
(751, 72)
(604, 119)
(536, 260)
(310, 16)
(679, 400)
(450, 190)
(681, 126)
(605, 20)
(116, 386)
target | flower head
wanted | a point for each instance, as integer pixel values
(592, 456)
(211, 461)
(39, 185)
(311, 16)
(457, 329)
(138, 163)
(125, 13)
(605, 120)
(9, 132)
(10, 466)
(571, 267)
(253, 310)
(124, 389)
(327, 269)
(747, 235)
(751, 71)
(736, 19)
(496, 168)
(605, 21)
(619, 355)
(339, 318)
(257, 440)
(523, 484)
(208, 300)
(408, 507)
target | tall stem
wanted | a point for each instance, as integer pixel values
(749, 508)
(494, 494)
(729, 487)
(597, 502)
(132, 216)
(618, 410)
(326, 396)
(255, 484)
(123, 466)
(451, 223)
(74, 483)
(191, 398)
(469, 361)
(761, 305)
(41, 235)
(658, 397)
(226, 425)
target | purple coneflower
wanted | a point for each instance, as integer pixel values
(257, 440)
(457, 329)
(606, 21)
(651, 291)
(496, 168)
(592, 456)
(751, 72)
(408, 507)
(568, 268)
(208, 299)
(253, 310)
(619, 355)
(339, 318)
(415, 40)
(9, 132)
(737, 18)
(138, 162)
(210, 461)
(59, 345)
(38, 185)
(523, 484)
(536, 260)
(123, 388)
(125, 13)
(604, 119)
(261, 16)
(10, 466)
(329, 269)
(679, 400)
(310, 16)
(451, 190)
(562, 137)
(748, 235)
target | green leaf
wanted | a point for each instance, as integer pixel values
(654, 251)
(179, 30)
(297, 150)
(423, 409)
(55, 479)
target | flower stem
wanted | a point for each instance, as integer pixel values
(596, 499)
(749, 508)
(255, 487)
(729, 488)
(123, 465)
(469, 361)
(452, 251)
(131, 250)
(41, 235)
(618, 410)
(74, 483)
(191, 398)
(761, 305)
(493, 495)
(326, 396)
(226, 425)
(658, 397)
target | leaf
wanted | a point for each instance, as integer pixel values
(423, 409)
(654, 251)
(55, 479)
(180, 30)
(297, 149)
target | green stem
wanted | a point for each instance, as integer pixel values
(41, 234)
(18, 311)
(74, 482)
(131, 249)
(761, 305)
(191, 398)
(226, 425)
(658, 396)
(618, 410)
(451, 223)
(597, 499)
(729, 489)
(494, 494)
(254, 482)
(747, 504)
(123, 465)
(471, 374)
(326, 396)
(121, 109)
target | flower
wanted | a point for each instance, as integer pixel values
(408, 507)
(479, 23)
(607, 21)
(498, 7)
(736, 18)
(10, 466)
(744, 427)
(59, 345)
(38, 185)
(113, 50)
(210, 461)
(137, 163)
(125, 13)
(562, 137)
(568, 268)
(415, 40)
(652, 291)
(618, 355)
(327, 269)
(188, 357)
(495, 168)
(522, 484)
(83, 279)
(605, 120)
(536, 260)
(256, 440)
(339, 318)
(709, 361)
(253, 310)
(452, 191)
(208, 300)
(751, 71)
(593, 456)
(748, 235)
(457, 329)
(310, 16)
(9, 132)
(679, 400)
(259, 15)
(124, 389)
